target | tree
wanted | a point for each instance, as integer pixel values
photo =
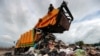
(80, 43)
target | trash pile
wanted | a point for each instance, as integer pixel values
(50, 46)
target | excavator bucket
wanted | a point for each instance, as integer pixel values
(57, 20)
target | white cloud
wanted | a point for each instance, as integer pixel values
(6, 37)
(87, 31)
(81, 8)
(6, 41)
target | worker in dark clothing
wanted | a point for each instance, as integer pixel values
(50, 8)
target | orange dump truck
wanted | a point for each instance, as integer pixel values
(26, 39)
(57, 20)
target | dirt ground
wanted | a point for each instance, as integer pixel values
(2, 52)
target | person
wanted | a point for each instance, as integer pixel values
(50, 8)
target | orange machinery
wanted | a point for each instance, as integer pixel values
(26, 39)
(57, 20)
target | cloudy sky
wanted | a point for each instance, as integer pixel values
(19, 16)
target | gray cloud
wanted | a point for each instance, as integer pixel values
(6, 41)
(87, 31)
(5, 44)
